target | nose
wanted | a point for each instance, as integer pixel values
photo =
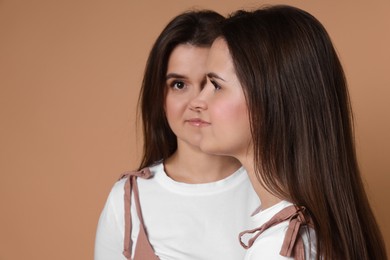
(198, 103)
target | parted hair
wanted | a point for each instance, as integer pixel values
(302, 126)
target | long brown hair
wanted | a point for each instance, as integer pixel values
(193, 27)
(301, 124)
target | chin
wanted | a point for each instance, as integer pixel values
(209, 148)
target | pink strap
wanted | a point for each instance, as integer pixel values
(143, 248)
(292, 244)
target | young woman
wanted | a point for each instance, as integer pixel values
(189, 205)
(277, 100)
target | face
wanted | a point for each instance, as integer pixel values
(222, 106)
(185, 78)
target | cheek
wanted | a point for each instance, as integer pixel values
(174, 106)
(171, 104)
(230, 131)
(234, 113)
(234, 118)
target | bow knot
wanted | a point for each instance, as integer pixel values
(292, 243)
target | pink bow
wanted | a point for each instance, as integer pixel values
(292, 244)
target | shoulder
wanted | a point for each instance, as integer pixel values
(269, 244)
(122, 187)
(116, 196)
(145, 173)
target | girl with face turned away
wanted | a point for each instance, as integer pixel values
(185, 204)
(277, 100)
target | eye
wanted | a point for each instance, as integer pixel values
(215, 84)
(177, 85)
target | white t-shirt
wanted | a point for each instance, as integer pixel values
(183, 221)
(269, 243)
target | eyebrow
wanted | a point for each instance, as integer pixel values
(175, 76)
(213, 75)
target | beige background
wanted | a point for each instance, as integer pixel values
(70, 73)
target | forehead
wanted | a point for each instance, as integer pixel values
(220, 48)
(187, 57)
(219, 58)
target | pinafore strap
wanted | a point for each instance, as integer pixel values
(293, 244)
(143, 249)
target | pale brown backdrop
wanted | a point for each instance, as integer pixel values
(70, 73)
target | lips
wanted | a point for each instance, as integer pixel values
(197, 122)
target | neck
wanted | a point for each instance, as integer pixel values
(190, 165)
(267, 198)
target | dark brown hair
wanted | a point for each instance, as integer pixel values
(194, 27)
(301, 124)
